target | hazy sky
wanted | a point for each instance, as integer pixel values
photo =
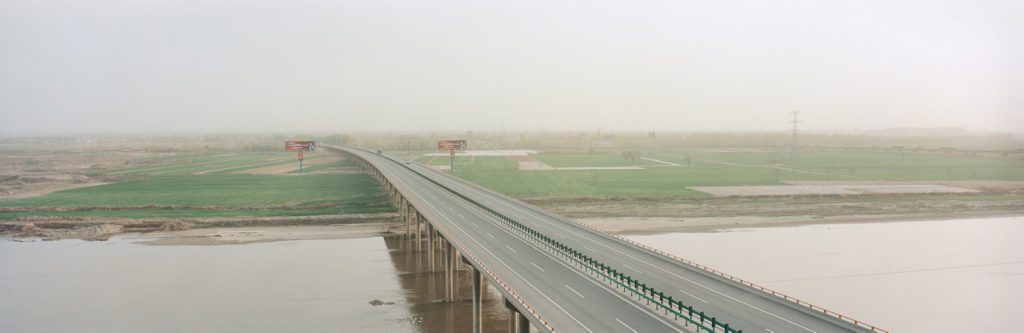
(73, 66)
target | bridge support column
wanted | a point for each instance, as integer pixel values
(419, 234)
(430, 245)
(411, 211)
(478, 287)
(452, 264)
(446, 252)
(524, 325)
(516, 322)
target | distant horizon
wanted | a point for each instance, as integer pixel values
(107, 66)
(982, 133)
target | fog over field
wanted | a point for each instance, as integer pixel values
(82, 67)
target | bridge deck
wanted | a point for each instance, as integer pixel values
(564, 296)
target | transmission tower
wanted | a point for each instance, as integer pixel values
(795, 121)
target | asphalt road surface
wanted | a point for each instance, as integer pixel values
(567, 298)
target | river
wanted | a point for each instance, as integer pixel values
(288, 286)
(928, 276)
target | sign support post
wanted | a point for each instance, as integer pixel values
(451, 146)
(302, 147)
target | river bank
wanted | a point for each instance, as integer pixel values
(662, 225)
(194, 230)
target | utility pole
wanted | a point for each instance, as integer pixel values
(795, 121)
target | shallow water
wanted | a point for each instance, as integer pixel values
(930, 276)
(310, 285)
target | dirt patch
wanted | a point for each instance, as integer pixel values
(103, 228)
(238, 166)
(176, 226)
(28, 170)
(99, 232)
(659, 225)
(246, 235)
(534, 165)
(819, 206)
(828, 189)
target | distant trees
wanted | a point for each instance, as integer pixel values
(632, 155)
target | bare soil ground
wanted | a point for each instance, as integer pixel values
(290, 167)
(660, 225)
(26, 173)
(827, 188)
(245, 235)
(103, 228)
(244, 171)
(657, 215)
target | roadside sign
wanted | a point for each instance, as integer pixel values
(451, 145)
(309, 146)
(302, 147)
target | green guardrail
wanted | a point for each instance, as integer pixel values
(629, 284)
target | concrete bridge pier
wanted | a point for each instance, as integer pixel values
(517, 323)
(430, 245)
(446, 250)
(478, 292)
(419, 234)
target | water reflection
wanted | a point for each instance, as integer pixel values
(119, 286)
(424, 290)
(306, 286)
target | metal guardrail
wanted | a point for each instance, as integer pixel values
(663, 301)
(753, 285)
(497, 280)
(771, 292)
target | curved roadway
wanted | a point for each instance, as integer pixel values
(570, 300)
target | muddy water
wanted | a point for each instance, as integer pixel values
(933, 276)
(312, 285)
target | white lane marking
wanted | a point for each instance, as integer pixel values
(748, 304)
(560, 262)
(502, 262)
(439, 212)
(538, 267)
(489, 235)
(691, 295)
(589, 249)
(511, 249)
(634, 269)
(475, 225)
(659, 268)
(462, 216)
(550, 257)
(769, 331)
(574, 291)
(624, 324)
(600, 285)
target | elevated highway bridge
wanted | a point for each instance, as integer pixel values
(557, 275)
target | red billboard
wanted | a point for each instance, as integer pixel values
(300, 145)
(451, 145)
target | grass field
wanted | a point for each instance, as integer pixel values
(224, 163)
(712, 168)
(211, 185)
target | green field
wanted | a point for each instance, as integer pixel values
(222, 163)
(175, 188)
(711, 168)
